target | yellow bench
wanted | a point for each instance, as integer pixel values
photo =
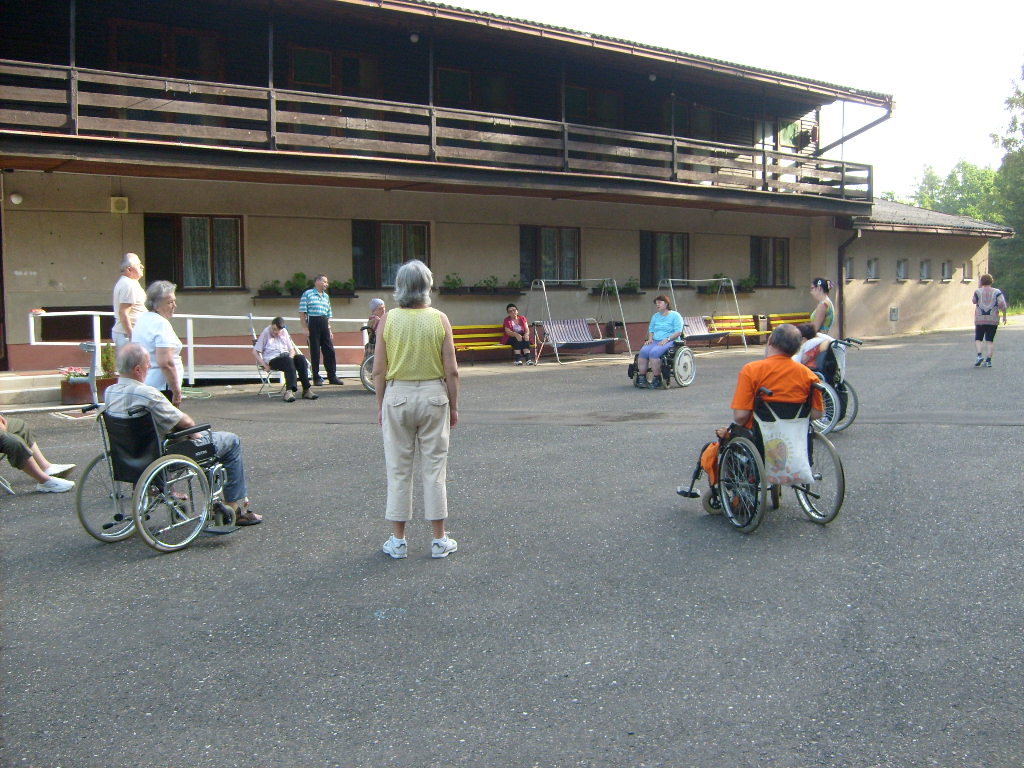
(741, 326)
(477, 338)
(795, 318)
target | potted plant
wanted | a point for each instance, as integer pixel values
(487, 285)
(714, 286)
(298, 284)
(270, 289)
(605, 286)
(515, 284)
(632, 285)
(453, 283)
(345, 288)
(747, 284)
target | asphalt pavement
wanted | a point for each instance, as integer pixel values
(591, 616)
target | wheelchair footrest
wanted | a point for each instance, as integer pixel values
(220, 530)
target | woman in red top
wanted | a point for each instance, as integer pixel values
(517, 335)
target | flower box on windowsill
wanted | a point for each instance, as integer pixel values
(342, 294)
(265, 294)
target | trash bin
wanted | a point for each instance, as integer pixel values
(762, 322)
(611, 332)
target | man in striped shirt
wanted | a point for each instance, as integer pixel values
(315, 312)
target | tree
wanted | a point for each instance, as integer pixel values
(1007, 256)
(966, 191)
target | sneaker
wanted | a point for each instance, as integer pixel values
(641, 382)
(336, 381)
(443, 547)
(531, 361)
(318, 382)
(289, 396)
(57, 485)
(517, 361)
(988, 362)
(59, 469)
(978, 362)
(308, 394)
(396, 548)
(656, 382)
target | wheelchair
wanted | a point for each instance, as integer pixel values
(677, 364)
(841, 401)
(743, 491)
(366, 369)
(169, 490)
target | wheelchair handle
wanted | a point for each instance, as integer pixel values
(187, 432)
(91, 407)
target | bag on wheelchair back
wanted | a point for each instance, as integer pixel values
(785, 452)
(200, 453)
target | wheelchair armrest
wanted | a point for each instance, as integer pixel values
(172, 436)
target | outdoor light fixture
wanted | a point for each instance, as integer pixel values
(16, 199)
(652, 77)
(414, 37)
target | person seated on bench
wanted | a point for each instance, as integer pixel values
(812, 346)
(276, 351)
(19, 446)
(131, 392)
(517, 335)
(665, 327)
(788, 381)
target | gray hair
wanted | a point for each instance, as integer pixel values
(157, 292)
(786, 338)
(129, 259)
(413, 283)
(129, 356)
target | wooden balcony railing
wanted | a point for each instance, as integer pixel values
(86, 102)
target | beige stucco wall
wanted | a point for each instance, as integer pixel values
(62, 247)
(921, 305)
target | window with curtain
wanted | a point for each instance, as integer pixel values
(663, 255)
(549, 253)
(194, 251)
(769, 261)
(902, 269)
(379, 248)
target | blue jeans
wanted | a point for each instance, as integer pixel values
(229, 450)
(656, 349)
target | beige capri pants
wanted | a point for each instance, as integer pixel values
(416, 416)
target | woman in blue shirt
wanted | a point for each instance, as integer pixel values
(666, 326)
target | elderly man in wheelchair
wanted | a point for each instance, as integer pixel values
(181, 477)
(771, 443)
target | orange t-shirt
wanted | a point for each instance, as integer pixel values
(788, 380)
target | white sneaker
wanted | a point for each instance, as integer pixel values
(396, 548)
(59, 469)
(518, 361)
(55, 485)
(443, 547)
(530, 361)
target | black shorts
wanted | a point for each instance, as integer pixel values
(985, 332)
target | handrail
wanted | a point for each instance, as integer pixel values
(189, 344)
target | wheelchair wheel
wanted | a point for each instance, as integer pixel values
(709, 500)
(103, 505)
(366, 374)
(850, 405)
(171, 503)
(822, 499)
(741, 484)
(684, 369)
(828, 421)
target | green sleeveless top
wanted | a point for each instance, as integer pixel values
(413, 338)
(830, 316)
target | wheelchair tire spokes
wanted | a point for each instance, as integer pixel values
(104, 505)
(171, 503)
(822, 499)
(741, 486)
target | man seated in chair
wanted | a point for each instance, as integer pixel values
(131, 391)
(19, 446)
(275, 351)
(788, 381)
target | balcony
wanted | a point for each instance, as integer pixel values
(56, 101)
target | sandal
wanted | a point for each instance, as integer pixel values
(248, 517)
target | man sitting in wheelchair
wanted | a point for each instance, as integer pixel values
(130, 392)
(788, 381)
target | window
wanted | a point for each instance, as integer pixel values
(663, 254)
(549, 253)
(769, 260)
(947, 271)
(154, 49)
(194, 251)
(593, 106)
(968, 267)
(848, 271)
(454, 88)
(926, 269)
(379, 248)
(312, 70)
(872, 269)
(902, 269)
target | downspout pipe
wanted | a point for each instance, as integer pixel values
(841, 283)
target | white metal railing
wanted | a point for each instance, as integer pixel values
(189, 343)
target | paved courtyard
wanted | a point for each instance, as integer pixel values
(591, 617)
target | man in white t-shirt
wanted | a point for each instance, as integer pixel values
(129, 299)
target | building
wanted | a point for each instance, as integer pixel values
(237, 143)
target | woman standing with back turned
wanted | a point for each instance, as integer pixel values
(417, 383)
(989, 301)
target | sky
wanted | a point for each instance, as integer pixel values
(949, 68)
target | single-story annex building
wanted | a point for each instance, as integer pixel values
(234, 144)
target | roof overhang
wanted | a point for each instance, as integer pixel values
(125, 157)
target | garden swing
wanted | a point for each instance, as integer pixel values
(570, 335)
(695, 329)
